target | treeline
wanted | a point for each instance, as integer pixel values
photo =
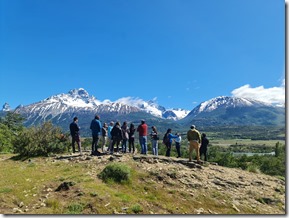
(274, 165)
(247, 132)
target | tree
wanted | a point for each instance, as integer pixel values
(13, 121)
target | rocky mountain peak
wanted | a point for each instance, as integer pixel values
(6, 107)
(81, 92)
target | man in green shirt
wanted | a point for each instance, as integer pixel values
(194, 138)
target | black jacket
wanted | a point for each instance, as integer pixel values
(116, 133)
(205, 143)
(74, 129)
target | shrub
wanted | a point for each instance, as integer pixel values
(40, 141)
(253, 169)
(116, 172)
(75, 208)
(136, 208)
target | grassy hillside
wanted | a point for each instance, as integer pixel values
(156, 186)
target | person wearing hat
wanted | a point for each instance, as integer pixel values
(142, 130)
(194, 139)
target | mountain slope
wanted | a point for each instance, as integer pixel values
(235, 111)
(61, 108)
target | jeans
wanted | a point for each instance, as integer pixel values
(124, 145)
(178, 147)
(155, 147)
(143, 144)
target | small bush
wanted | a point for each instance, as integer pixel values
(115, 172)
(136, 208)
(253, 169)
(75, 208)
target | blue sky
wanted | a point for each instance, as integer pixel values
(181, 52)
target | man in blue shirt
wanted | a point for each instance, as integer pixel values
(95, 127)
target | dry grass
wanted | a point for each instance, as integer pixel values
(30, 186)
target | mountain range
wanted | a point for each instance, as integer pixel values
(219, 111)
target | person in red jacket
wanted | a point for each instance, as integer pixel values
(142, 130)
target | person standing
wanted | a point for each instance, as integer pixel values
(109, 128)
(178, 141)
(116, 137)
(154, 138)
(95, 127)
(124, 131)
(194, 138)
(104, 136)
(168, 139)
(204, 146)
(131, 138)
(74, 132)
(142, 130)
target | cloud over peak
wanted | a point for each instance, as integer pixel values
(273, 95)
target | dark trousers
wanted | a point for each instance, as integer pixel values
(77, 140)
(117, 142)
(169, 146)
(178, 147)
(131, 145)
(124, 145)
(203, 151)
(94, 143)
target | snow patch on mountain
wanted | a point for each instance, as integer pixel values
(224, 101)
(148, 107)
(79, 99)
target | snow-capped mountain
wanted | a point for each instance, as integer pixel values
(77, 101)
(6, 107)
(154, 109)
(226, 102)
(60, 110)
(175, 113)
(225, 110)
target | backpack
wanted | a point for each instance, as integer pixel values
(166, 139)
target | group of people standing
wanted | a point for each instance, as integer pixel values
(116, 134)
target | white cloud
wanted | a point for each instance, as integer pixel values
(155, 99)
(131, 101)
(273, 95)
